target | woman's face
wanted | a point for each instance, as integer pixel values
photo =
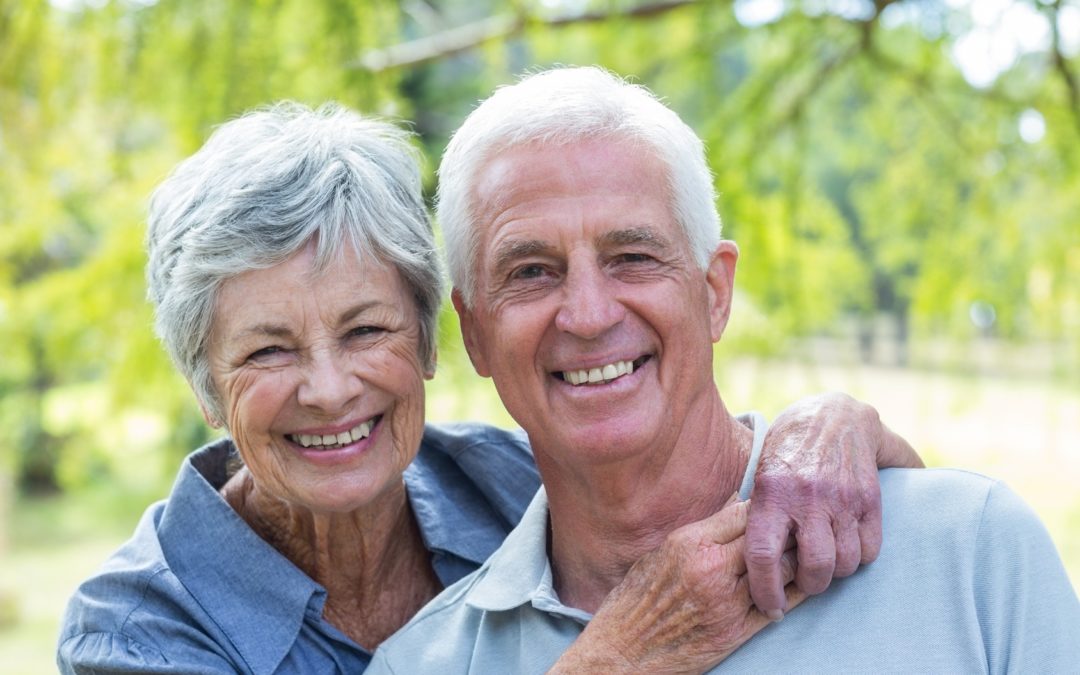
(320, 378)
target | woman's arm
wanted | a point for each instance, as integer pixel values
(817, 481)
(688, 605)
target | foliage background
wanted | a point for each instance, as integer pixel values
(903, 178)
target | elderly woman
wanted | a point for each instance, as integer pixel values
(296, 285)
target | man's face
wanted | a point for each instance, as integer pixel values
(590, 312)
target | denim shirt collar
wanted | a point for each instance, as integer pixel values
(223, 563)
(449, 525)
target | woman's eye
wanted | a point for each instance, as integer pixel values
(364, 331)
(264, 353)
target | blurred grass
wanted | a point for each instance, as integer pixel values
(1026, 432)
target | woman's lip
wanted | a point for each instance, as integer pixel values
(337, 428)
(327, 441)
(341, 454)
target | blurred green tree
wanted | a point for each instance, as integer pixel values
(863, 168)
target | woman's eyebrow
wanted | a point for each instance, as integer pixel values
(356, 310)
(265, 330)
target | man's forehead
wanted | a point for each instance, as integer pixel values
(543, 239)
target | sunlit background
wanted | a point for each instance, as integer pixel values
(903, 179)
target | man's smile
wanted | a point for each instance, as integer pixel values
(603, 373)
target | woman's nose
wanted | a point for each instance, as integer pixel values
(329, 383)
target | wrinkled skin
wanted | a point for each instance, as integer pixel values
(692, 602)
(683, 608)
(817, 481)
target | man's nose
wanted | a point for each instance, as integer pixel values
(330, 383)
(589, 306)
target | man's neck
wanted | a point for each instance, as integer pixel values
(604, 520)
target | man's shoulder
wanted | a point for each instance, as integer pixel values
(950, 497)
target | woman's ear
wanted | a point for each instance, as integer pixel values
(210, 418)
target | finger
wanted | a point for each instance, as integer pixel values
(870, 530)
(817, 555)
(789, 562)
(794, 596)
(727, 524)
(767, 534)
(848, 548)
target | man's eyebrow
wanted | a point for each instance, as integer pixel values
(511, 251)
(634, 235)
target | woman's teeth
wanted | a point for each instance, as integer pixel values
(333, 441)
(599, 374)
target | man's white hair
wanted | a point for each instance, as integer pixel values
(555, 108)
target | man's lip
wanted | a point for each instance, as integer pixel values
(601, 372)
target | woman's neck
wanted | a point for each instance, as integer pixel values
(372, 561)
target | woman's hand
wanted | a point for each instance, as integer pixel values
(817, 481)
(682, 608)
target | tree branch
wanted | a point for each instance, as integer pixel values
(1062, 65)
(470, 36)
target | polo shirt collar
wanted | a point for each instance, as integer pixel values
(223, 563)
(520, 571)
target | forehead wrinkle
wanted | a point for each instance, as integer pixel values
(265, 330)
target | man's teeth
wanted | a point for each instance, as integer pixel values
(599, 374)
(333, 441)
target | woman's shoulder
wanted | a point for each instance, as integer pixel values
(111, 620)
(459, 439)
(497, 461)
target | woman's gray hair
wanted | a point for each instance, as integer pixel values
(261, 188)
(556, 108)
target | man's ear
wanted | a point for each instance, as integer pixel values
(470, 333)
(720, 278)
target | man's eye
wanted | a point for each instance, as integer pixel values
(633, 258)
(529, 272)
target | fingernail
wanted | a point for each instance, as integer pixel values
(775, 614)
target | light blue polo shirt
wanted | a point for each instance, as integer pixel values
(195, 590)
(967, 581)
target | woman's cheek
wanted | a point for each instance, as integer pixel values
(403, 377)
(254, 399)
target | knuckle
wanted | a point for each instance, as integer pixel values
(760, 555)
(817, 562)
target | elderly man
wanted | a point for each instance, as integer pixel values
(591, 285)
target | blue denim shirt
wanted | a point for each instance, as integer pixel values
(195, 590)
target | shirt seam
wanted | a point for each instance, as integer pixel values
(974, 561)
(142, 599)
